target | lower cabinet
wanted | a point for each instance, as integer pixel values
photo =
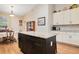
(36, 45)
(69, 38)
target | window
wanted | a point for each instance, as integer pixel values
(3, 22)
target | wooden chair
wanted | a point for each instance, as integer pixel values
(9, 37)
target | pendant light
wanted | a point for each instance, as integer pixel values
(11, 14)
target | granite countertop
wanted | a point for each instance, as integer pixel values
(42, 35)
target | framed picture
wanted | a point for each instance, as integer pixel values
(20, 22)
(31, 26)
(41, 21)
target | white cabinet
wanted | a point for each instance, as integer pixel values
(75, 38)
(75, 16)
(66, 17)
(61, 18)
(57, 17)
(68, 37)
(59, 38)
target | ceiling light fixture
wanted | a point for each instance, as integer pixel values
(11, 14)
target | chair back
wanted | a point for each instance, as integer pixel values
(10, 33)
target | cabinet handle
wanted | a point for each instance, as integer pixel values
(51, 43)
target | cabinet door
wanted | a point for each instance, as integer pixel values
(59, 37)
(66, 37)
(63, 37)
(22, 42)
(75, 16)
(75, 38)
(55, 18)
(25, 43)
(39, 45)
(58, 18)
(66, 17)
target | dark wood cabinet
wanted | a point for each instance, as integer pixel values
(36, 45)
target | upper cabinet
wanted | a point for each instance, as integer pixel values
(57, 17)
(75, 16)
(66, 17)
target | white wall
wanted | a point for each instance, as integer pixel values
(14, 24)
(43, 10)
(51, 8)
(47, 11)
(39, 11)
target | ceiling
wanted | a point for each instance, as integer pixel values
(18, 9)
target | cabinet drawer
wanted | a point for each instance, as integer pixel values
(39, 45)
(38, 40)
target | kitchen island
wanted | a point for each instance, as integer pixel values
(34, 43)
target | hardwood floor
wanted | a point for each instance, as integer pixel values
(67, 49)
(9, 48)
